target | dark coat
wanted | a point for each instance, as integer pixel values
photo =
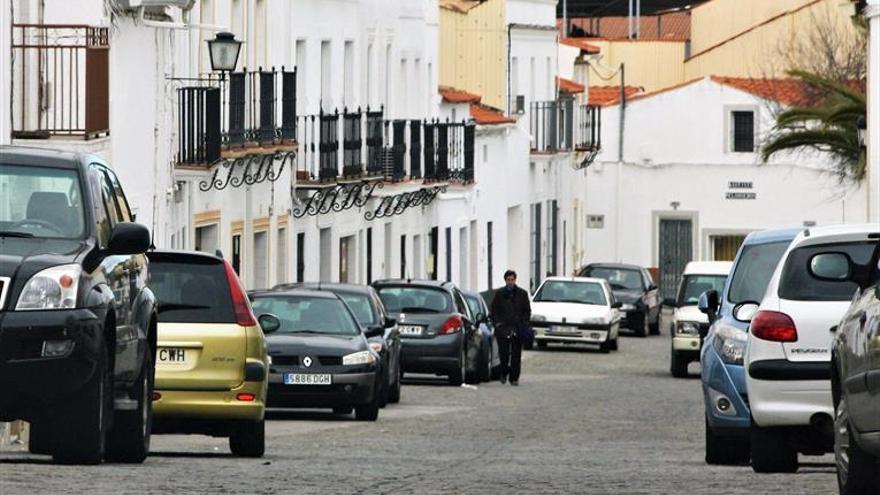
(510, 311)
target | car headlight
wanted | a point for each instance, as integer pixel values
(539, 318)
(362, 357)
(628, 307)
(730, 343)
(687, 328)
(52, 288)
(376, 346)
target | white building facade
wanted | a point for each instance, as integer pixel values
(872, 13)
(691, 185)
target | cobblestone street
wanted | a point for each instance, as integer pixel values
(580, 422)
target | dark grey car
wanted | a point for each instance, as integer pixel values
(635, 289)
(436, 327)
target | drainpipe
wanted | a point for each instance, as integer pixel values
(619, 178)
(622, 112)
(508, 69)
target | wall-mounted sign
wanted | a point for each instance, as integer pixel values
(595, 221)
(741, 195)
(739, 185)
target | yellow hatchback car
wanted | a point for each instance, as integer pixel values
(211, 357)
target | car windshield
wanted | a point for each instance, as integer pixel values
(571, 292)
(191, 291)
(361, 307)
(797, 284)
(307, 314)
(694, 285)
(40, 202)
(618, 278)
(415, 300)
(752, 273)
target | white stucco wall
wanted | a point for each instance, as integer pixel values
(5, 72)
(873, 14)
(675, 151)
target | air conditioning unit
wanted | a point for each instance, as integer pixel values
(136, 4)
(520, 104)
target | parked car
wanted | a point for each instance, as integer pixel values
(77, 321)
(635, 289)
(320, 357)
(370, 312)
(436, 327)
(689, 325)
(576, 310)
(855, 369)
(212, 363)
(488, 360)
(725, 400)
(789, 347)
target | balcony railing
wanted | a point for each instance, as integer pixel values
(393, 150)
(551, 125)
(60, 76)
(247, 110)
(588, 128)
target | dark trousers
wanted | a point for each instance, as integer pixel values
(511, 357)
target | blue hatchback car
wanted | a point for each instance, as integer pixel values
(721, 358)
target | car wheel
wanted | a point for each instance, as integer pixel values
(614, 344)
(654, 328)
(770, 451)
(457, 377)
(368, 411)
(485, 364)
(542, 345)
(642, 329)
(40, 438)
(857, 470)
(83, 433)
(725, 451)
(394, 394)
(384, 391)
(344, 410)
(248, 439)
(129, 439)
(678, 365)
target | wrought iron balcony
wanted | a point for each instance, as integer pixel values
(551, 125)
(394, 150)
(246, 112)
(60, 80)
(588, 128)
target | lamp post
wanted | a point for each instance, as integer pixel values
(224, 50)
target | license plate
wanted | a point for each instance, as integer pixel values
(410, 330)
(171, 355)
(564, 330)
(307, 379)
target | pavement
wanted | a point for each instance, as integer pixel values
(580, 422)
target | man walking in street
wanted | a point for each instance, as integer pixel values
(511, 312)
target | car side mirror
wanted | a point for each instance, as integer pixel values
(390, 322)
(481, 318)
(652, 287)
(745, 311)
(374, 331)
(708, 304)
(669, 301)
(129, 238)
(616, 305)
(269, 323)
(832, 267)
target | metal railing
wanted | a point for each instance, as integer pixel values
(60, 75)
(246, 110)
(551, 125)
(393, 150)
(588, 128)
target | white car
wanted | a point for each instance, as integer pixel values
(689, 324)
(788, 353)
(576, 310)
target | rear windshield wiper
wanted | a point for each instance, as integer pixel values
(13, 233)
(175, 307)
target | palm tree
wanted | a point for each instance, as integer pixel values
(828, 126)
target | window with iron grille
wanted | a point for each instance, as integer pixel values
(743, 127)
(535, 247)
(489, 254)
(301, 257)
(552, 244)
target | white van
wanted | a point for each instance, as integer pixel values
(689, 325)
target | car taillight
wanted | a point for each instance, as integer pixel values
(773, 326)
(243, 314)
(452, 325)
(246, 397)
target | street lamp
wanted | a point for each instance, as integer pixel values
(862, 126)
(223, 50)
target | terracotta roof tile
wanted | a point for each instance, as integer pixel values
(676, 25)
(570, 87)
(485, 115)
(790, 92)
(452, 95)
(609, 95)
(582, 44)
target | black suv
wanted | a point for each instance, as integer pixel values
(77, 321)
